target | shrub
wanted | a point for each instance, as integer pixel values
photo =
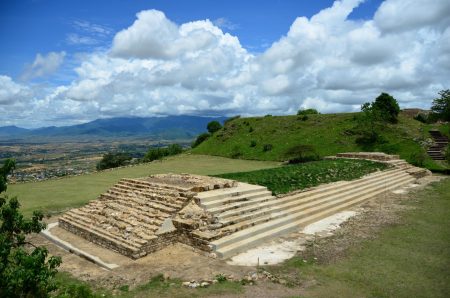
(213, 126)
(158, 153)
(267, 147)
(417, 158)
(113, 160)
(441, 105)
(447, 154)
(387, 106)
(250, 129)
(303, 117)
(252, 143)
(301, 153)
(200, 139)
(302, 112)
(236, 152)
(421, 118)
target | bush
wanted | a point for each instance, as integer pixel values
(441, 105)
(113, 160)
(236, 152)
(158, 153)
(200, 139)
(387, 106)
(447, 154)
(301, 153)
(302, 112)
(213, 126)
(417, 159)
(267, 147)
(25, 270)
(252, 143)
(421, 118)
(303, 117)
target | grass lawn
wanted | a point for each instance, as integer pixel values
(411, 259)
(58, 195)
(288, 178)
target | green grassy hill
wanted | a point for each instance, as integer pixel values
(328, 134)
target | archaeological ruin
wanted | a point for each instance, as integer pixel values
(222, 217)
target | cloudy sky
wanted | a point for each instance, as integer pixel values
(68, 62)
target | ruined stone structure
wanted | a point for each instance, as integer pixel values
(139, 216)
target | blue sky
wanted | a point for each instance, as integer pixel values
(74, 61)
(41, 26)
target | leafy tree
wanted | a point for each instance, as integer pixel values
(388, 107)
(7, 167)
(369, 124)
(200, 139)
(302, 112)
(25, 270)
(301, 153)
(158, 153)
(174, 149)
(213, 126)
(113, 160)
(441, 105)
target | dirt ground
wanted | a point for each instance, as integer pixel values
(183, 262)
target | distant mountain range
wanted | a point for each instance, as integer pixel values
(170, 127)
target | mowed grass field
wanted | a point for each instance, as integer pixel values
(54, 196)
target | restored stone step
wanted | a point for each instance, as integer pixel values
(308, 195)
(218, 194)
(234, 199)
(240, 241)
(244, 221)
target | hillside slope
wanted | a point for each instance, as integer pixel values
(328, 134)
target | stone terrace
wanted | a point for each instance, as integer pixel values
(134, 216)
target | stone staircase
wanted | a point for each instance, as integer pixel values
(248, 215)
(436, 151)
(128, 218)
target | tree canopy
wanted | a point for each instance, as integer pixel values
(441, 105)
(387, 106)
(213, 126)
(25, 270)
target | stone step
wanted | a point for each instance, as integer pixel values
(218, 194)
(264, 214)
(162, 191)
(71, 219)
(229, 207)
(240, 241)
(305, 197)
(148, 184)
(120, 198)
(208, 205)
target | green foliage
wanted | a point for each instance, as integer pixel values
(158, 153)
(441, 105)
(369, 124)
(447, 154)
(300, 176)
(252, 143)
(267, 147)
(213, 126)
(417, 158)
(388, 107)
(422, 118)
(236, 152)
(200, 139)
(221, 278)
(113, 160)
(24, 272)
(5, 170)
(302, 112)
(301, 153)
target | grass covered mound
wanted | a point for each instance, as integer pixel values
(273, 137)
(292, 177)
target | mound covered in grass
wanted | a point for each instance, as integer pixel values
(292, 177)
(273, 137)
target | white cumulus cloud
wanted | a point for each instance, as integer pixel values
(44, 65)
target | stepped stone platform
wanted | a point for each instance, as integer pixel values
(222, 217)
(133, 217)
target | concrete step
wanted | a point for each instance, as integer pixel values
(309, 195)
(223, 202)
(264, 214)
(218, 194)
(240, 241)
(229, 244)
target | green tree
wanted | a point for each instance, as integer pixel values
(441, 106)
(113, 160)
(302, 112)
(5, 170)
(25, 270)
(369, 123)
(200, 139)
(388, 107)
(213, 126)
